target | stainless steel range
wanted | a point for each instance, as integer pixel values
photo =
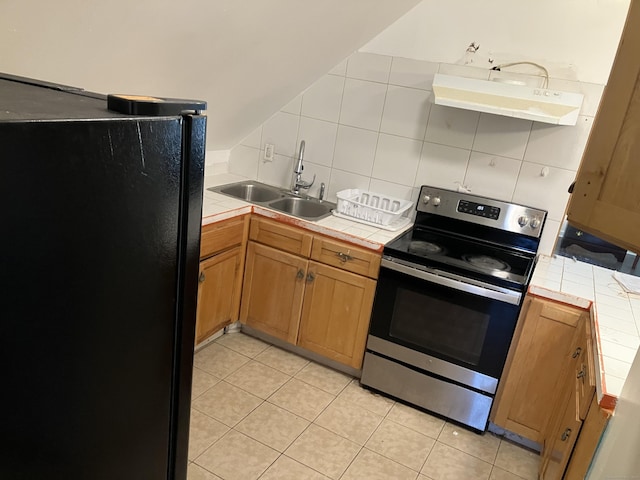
(447, 302)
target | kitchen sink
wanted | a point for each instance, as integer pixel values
(311, 209)
(252, 192)
(308, 208)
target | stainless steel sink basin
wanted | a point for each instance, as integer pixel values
(303, 207)
(252, 192)
(308, 208)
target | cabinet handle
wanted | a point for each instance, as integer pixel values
(581, 373)
(201, 278)
(310, 277)
(566, 434)
(344, 257)
(576, 353)
(300, 274)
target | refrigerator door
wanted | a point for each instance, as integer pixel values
(100, 222)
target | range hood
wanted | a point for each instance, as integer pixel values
(511, 100)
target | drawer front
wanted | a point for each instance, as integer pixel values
(283, 237)
(346, 256)
(220, 236)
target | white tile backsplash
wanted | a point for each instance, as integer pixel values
(452, 126)
(323, 99)
(370, 123)
(368, 66)
(492, 176)
(397, 159)
(362, 104)
(502, 136)
(406, 112)
(355, 150)
(320, 140)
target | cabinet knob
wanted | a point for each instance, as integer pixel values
(576, 353)
(566, 434)
(344, 257)
(310, 277)
(201, 278)
(300, 274)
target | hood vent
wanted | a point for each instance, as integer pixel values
(518, 101)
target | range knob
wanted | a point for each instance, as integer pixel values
(426, 199)
(523, 220)
(435, 201)
(535, 222)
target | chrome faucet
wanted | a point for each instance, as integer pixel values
(298, 183)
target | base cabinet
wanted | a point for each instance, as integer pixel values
(222, 255)
(309, 290)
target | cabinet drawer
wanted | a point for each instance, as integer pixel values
(283, 237)
(345, 256)
(217, 237)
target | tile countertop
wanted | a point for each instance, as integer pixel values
(217, 207)
(615, 313)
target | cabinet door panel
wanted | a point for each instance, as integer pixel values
(218, 292)
(336, 313)
(272, 292)
(606, 197)
(219, 236)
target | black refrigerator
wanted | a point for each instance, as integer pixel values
(99, 237)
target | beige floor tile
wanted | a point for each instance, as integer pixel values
(499, 474)
(286, 468)
(401, 444)
(323, 451)
(218, 360)
(349, 420)
(416, 420)
(516, 459)
(226, 403)
(301, 399)
(204, 431)
(242, 343)
(373, 402)
(424, 477)
(273, 426)
(484, 446)
(196, 472)
(371, 466)
(237, 457)
(258, 379)
(202, 381)
(447, 463)
(286, 362)
(325, 378)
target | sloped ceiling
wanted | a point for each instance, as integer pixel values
(246, 58)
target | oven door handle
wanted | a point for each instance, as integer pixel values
(502, 295)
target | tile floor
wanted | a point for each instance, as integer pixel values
(259, 412)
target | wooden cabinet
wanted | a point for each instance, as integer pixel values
(222, 254)
(606, 197)
(272, 294)
(533, 374)
(335, 315)
(309, 290)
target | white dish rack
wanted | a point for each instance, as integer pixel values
(373, 208)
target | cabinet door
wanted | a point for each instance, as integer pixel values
(532, 379)
(272, 291)
(336, 313)
(606, 197)
(218, 292)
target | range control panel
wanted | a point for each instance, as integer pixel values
(484, 211)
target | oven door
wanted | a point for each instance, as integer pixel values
(451, 321)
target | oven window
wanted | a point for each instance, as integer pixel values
(451, 329)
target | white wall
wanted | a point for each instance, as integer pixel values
(574, 39)
(245, 57)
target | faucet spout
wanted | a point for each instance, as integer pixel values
(298, 183)
(298, 168)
